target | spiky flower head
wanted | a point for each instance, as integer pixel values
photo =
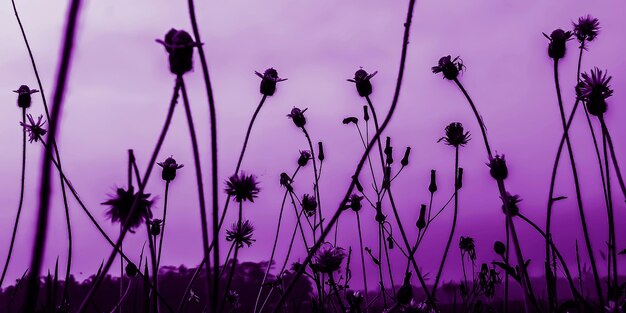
(497, 167)
(34, 129)
(242, 187)
(169, 167)
(557, 45)
(587, 28)
(24, 96)
(241, 233)
(309, 204)
(328, 259)
(362, 81)
(450, 68)
(593, 89)
(466, 244)
(120, 206)
(297, 116)
(269, 78)
(354, 202)
(179, 45)
(511, 202)
(305, 156)
(455, 135)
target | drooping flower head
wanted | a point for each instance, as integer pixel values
(466, 244)
(34, 129)
(455, 135)
(24, 96)
(241, 233)
(297, 116)
(120, 206)
(511, 203)
(305, 156)
(169, 169)
(497, 167)
(328, 259)
(449, 67)
(586, 29)
(362, 81)
(309, 204)
(269, 78)
(179, 45)
(557, 46)
(242, 187)
(593, 89)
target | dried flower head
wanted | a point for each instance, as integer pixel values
(179, 45)
(309, 204)
(593, 89)
(354, 202)
(557, 45)
(242, 187)
(24, 96)
(586, 29)
(466, 244)
(511, 203)
(497, 167)
(269, 78)
(362, 81)
(328, 259)
(455, 135)
(240, 233)
(305, 156)
(449, 67)
(34, 129)
(297, 116)
(120, 206)
(169, 167)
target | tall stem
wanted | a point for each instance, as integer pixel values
(609, 140)
(358, 221)
(235, 259)
(167, 189)
(579, 202)
(214, 163)
(45, 182)
(316, 186)
(454, 218)
(21, 201)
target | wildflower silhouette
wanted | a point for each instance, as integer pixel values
(586, 29)
(24, 96)
(455, 135)
(179, 45)
(466, 244)
(297, 116)
(120, 206)
(34, 129)
(594, 89)
(240, 233)
(329, 259)
(450, 68)
(304, 158)
(309, 204)
(497, 167)
(269, 78)
(558, 40)
(169, 167)
(362, 82)
(242, 187)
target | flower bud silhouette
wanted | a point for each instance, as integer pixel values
(24, 98)
(421, 221)
(558, 40)
(269, 78)
(499, 248)
(455, 135)
(366, 114)
(498, 168)
(305, 156)
(450, 68)
(405, 293)
(169, 169)
(433, 183)
(405, 158)
(362, 81)
(309, 204)
(297, 116)
(320, 152)
(179, 45)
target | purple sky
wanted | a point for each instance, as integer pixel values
(120, 87)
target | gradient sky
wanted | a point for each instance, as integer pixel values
(120, 86)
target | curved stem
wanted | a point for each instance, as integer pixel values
(45, 182)
(333, 220)
(454, 219)
(579, 202)
(142, 187)
(245, 141)
(21, 201)
(214, 163)
(316, 186)
(235, 259)
(609, 140)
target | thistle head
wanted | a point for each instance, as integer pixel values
(309, 204)
(305, 156)
(329, 259)
(240, 233)
(169, 167)
(557, 43)
(269, 78)
(455, 135)
(121, 204)
(586, 29)
(286, 181)
(594, 89)
(497, 167)
(24, 98)
(297, 116)
(354, 202)
(450, 68)
(242, 187)
(34, 129)
(362, 81)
